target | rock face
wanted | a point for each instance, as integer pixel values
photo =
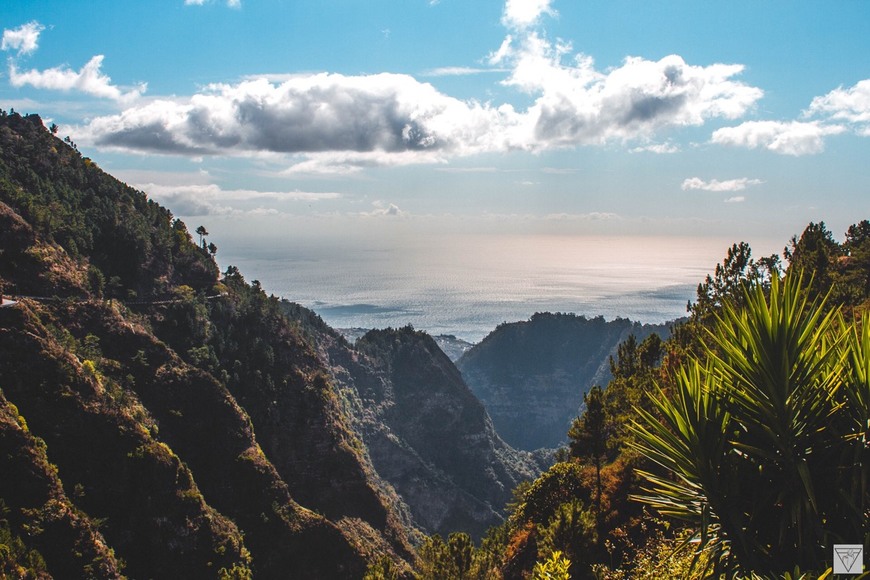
(425, 431)
(531, 376)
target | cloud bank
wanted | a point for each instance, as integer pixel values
(347, 122)
(211, 199)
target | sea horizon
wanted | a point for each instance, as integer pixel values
(466, 285)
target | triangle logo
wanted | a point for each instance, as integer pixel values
(848, 558)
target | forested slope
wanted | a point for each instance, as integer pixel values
(532, 375)
(158, 420)
(425, 431)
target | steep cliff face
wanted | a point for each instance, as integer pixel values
(426, 433)
(531, 376)
(153, 415)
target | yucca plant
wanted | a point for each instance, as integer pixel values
(856, 427)
(690, 441)
(751, 437)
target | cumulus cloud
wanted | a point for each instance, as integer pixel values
(716, 185)
(838, 111)
(395, 119)
(339, 124)
(525, 13)
(580, 105)
(314, 114)
(24, 39)
(89, 80)
(850, 105)
(787, 138)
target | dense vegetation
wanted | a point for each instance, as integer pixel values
(736, 447)
(527, 373)
(133, 245)
(158, 419)
(161, 419)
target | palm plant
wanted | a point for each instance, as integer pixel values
(751, 438)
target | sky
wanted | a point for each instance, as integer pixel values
(743, 120)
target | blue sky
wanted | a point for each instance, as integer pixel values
(741, 120)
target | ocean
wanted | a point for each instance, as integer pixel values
(466, 285)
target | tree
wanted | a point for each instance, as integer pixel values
(212, 249)
(588, 436)
(815, 252)
(854, 273)
(755, 436)
(383, 569)
(729, 278)
(202, 232)
(461, 549)
(571, 531)
(434, 559)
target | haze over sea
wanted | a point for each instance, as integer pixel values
(466, 285)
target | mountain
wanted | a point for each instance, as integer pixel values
(156, 419)
(531, 376)
(425, 431)
(452, 346)
(159, 418)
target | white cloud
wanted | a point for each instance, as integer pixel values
(595, 216)
(368, 118)
(851, 105)
(338, 124)
(525, 13)
(215, 192)
(89, 80)
(836, 112)
(716, 185)
(382, 210)
(787, 138)
(580, 105)
(455, 71)
(230, 3)
(736, 199)
(24, 39)
(487, 169)
(348, 163)
(210, 199)
(657, 148)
